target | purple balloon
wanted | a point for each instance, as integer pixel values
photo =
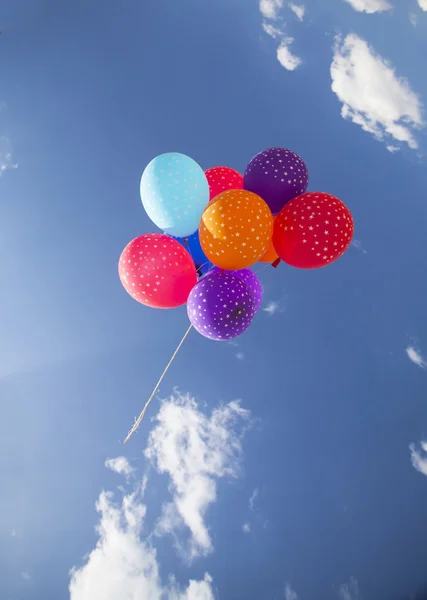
(251, 280)
(277, 175)
(220, 306)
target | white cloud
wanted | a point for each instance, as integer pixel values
(290, 594)
(423, 4)
(415, 356)
(359, 246)
(6, 162)
(13, 533)
(123, 565)
(253, 498)
(269, 8)
(370, 6)
(272, 307)
(285, 56)
(240, 356)
(194, 450)
(393, 149)
(119, 465)
(349, 591)
(419, 457)
(25, 575)
(298, 10)
(271, 30)
(413, 18)
(246, 528)
(371, 93)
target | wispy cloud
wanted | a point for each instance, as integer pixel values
(25, 575)
(246, 528)
(269, 8)
(272, 30)
(6, 161)
(413, 18)
(370, 6)
(285, 56)
(253, 499)
(123, 564)
(358, 245)
(423, 4)
(419, 457)
(349, 591)
(298, 10)
(371, 93)
(119, 465)
(416, 357)
(392, 148)
(290, 594)
(240, 356)
(273, 307)
(195, 451)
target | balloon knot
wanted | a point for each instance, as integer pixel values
(276, 263)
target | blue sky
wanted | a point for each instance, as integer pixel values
(290, 465)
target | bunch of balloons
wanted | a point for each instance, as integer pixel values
(216, 224)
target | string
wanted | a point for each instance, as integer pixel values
(262, 268)
(141, 416)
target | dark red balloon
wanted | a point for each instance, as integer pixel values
(221, 179)
(157, 271)
(313, 230)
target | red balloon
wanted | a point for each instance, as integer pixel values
(157, 271)
(221, 179)
(312, 230)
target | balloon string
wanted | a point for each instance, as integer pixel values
(141, 416)
(262, 268)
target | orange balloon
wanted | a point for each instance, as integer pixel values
(271, 255)
(236, 229)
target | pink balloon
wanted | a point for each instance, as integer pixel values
(157, 271)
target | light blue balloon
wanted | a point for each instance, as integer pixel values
(174, 192)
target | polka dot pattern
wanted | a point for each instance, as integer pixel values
(157, 271)
(221, 307)
(313, 230)
(251, 280)
(235, 229)
(221, 179)
(277, 175)
(174, 192)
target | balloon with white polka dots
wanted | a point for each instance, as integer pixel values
(221, 179)
(174, 192)
(313, 230)
(252, 281)
(277, 175)
(157, 271)
(221, 306)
